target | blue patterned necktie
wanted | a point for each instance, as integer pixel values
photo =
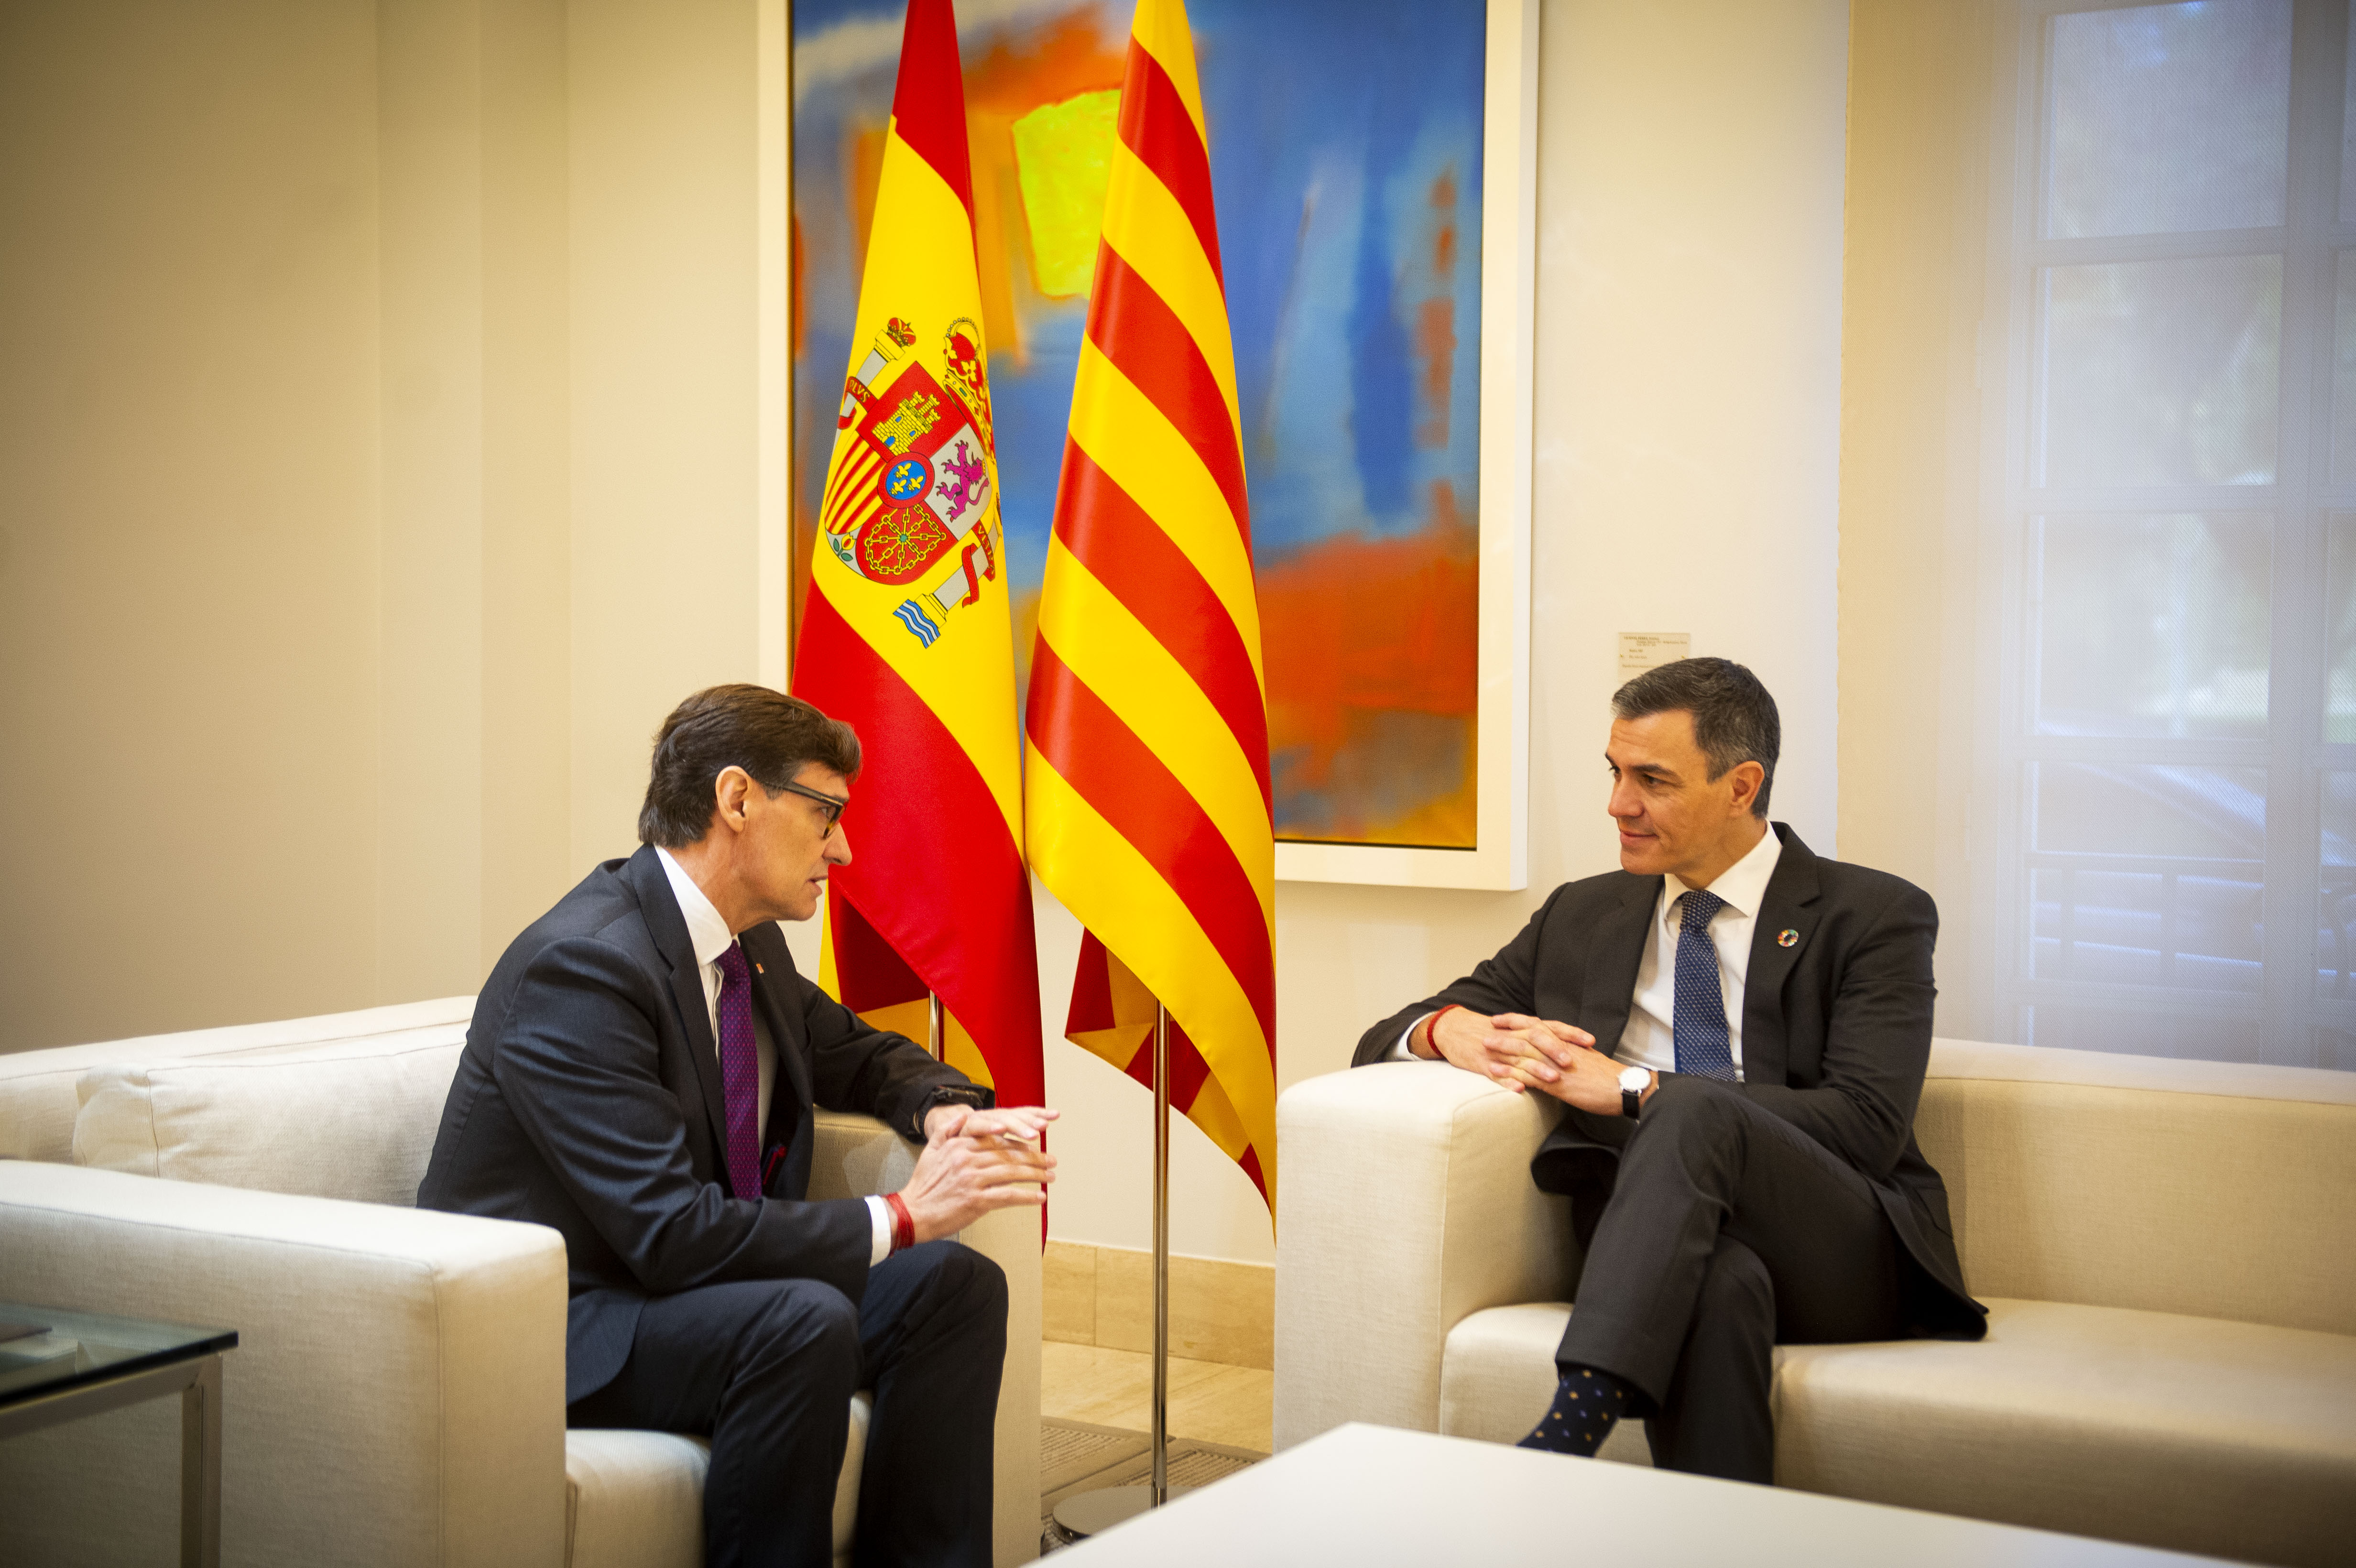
(1699, 1009)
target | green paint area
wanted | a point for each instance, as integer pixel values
(1063, 153)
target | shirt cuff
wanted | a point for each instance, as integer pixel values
(880, 1213)
(1402, 1052)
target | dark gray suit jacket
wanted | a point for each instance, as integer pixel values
(589, 1099)
(1836, 1032)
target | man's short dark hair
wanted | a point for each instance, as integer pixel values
(1734, 719)
(765, 733)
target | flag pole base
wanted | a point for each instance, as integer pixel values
(1085, 1514)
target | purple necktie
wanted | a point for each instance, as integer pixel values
(740, 1073)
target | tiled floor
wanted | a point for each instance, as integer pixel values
(1208, 1401)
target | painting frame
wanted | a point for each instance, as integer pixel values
(1499, 861)
(1499, 858)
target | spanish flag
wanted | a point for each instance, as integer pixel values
(905, 634)
(1146, 782)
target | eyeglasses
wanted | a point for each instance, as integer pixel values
(833, 802)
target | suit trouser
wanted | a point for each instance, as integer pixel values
(1727, 1231)
(767, 1369)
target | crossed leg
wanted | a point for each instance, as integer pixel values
(1728, 1231)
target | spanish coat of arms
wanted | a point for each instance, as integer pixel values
(914, 484)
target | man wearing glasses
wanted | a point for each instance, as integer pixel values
(640, 1075)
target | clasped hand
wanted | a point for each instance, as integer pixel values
(975, 1161)
(1521, 1053)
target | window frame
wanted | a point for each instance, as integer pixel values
(1999, 810)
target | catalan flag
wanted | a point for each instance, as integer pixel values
(905, 634)
(1146, 782)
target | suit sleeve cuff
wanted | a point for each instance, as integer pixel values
(879, 1214)
(1402, 1051)
(971, 1095)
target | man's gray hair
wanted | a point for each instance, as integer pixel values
(1734, 719)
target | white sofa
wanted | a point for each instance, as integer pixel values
(2167, 1249)
(397, 1396)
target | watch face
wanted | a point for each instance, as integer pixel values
(1635, 1079)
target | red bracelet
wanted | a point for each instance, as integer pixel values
(903, 1228)
(1431, 1033)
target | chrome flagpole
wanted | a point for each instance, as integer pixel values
(1161, 1254)
(1089, 1513)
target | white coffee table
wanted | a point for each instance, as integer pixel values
(1371, 1496)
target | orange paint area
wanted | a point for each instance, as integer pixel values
(1372, 679)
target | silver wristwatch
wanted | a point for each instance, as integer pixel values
(1633, 1082)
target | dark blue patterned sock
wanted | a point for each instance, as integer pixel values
(1586, 1404)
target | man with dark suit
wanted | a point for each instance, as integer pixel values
(1739, 1031)
(640, 1075)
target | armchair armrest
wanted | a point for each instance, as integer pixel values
(397, 1395)
(1406, 1206)
(857, 1155)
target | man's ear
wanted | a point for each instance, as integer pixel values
(728, 794)
(1748, 777)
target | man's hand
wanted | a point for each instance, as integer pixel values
(1522, 1052)
(1516, 1051)
(975, 1161)
(1584, 1078)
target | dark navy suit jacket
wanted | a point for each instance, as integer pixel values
(588, 1098)
(1836, 1033)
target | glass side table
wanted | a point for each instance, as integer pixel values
(74, 1365)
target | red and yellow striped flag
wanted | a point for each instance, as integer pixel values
(906, 634)
(1147, 783)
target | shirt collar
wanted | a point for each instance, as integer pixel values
(706, 932)
(1742, 885)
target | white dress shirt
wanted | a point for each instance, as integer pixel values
(710, 936)
(1650, 1038)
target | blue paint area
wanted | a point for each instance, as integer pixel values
(1381, 391)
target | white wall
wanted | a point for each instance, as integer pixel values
(1916, 282)
(376, 470)
(189, 531)
(1690, 172)
(664, 379)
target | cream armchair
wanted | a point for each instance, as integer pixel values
(397, 1397)
(2168, 1250)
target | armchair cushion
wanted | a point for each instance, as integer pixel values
(2198, 1433)
(1498, 1377)
(2210, 1188)
(2235, 1439)
(635, 1499)
(37, 1102)
(354, 1119)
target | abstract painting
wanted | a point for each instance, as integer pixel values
(1346, 151)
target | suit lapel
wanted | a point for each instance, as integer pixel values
(773, 972)
(1786, 910)
(1612, 960)
(669, 928)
